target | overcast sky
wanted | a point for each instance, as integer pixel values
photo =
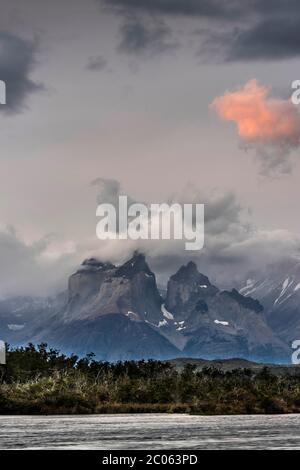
(184, 99)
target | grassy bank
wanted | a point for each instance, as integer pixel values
(42, 381)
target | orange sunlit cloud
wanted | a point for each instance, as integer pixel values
(260, 119)
(269, 125)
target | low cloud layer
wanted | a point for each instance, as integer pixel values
(269, 125)
(17, 61)
(234, 246)
(31, 268)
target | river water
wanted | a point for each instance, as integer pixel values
(150, 431)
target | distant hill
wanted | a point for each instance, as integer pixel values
(228, 365)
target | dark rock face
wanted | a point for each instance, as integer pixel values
(142, 296)
(100, 289)
(246, 302)
(87, 280)
(188, 291)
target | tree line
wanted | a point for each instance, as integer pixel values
(41, 380)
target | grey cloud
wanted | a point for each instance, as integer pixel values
(96, 64)
(277, 8)
(233, 10)
(108, 190)
(144, 38)
(272, 33)
(145, 30)
(274, 161)
(233, 245)
(25, 270)
(225, 230)
(205, 8)
(271, 39)
(248, 30)
(17, 60)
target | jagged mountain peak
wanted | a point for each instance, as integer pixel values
(246, 302)
(134, 266)
(129, 289)
(188, 291)
(190, 272)
(94, 265)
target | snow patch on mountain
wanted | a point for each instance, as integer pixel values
(15, 327)
(223, 323)
(286, 284)
(165, 313)
(248, 288)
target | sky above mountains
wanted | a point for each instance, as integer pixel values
(161, 100)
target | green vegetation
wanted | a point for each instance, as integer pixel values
(43, 381)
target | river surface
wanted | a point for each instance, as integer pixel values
(150, 431)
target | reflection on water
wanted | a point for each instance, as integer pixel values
(150, 432)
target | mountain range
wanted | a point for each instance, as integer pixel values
(119, 313)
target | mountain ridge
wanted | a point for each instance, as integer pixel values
(118, 313)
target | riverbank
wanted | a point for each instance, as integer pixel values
(43, 381)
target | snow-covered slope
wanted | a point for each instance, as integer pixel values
(278, 289)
